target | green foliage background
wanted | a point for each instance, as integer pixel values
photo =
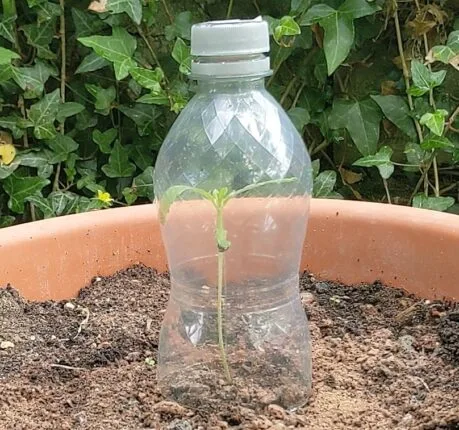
(88, 91)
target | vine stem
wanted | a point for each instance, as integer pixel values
(287, 90)
(230, 9)
(168, 13)
(63, 82)
(386, 187)
(220, 286)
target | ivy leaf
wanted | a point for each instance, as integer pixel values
(117, 48)
(40, 37)
(47, 11)
(160, 98)
(104, 140)
(150, 79)
(33, 158)
(19, 188)
(43, 115)
(6, 220)
(33, 79)
(396, 110)
(181, 27)
(143, 115)
(63, 202)
(43, 204)
(300, 117)
(359, 8)
(433, 203)
(12, 123)
(415, 155)
(91, 63)
(61, 146)
(297, 7)
(86, 23)
(435, 121)
(316, 13)
(287, 27)
(442, 53)
(436, 142)
(143, 184)
(104, 97)
(129, 195)
(361, 119)
(132, 7)
(8, 170)
(324, 184)
(7, 28)
(423, 79)
(68, 109)
(453, 41)
(118, 163)
(381, 160)
(6, 56)
(142, 155)
(182, 55)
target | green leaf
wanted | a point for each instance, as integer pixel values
(338, 39)
(6, 220)
(6, 56)
(33, 79)
(91, 63)
(443, 53)
(117, 48)
(129, 195)
(435, 122)
(300, 117)
(453, 41)
(104, 97)
(359, 8)
(324, 184)
(43, 204)
(150, 79)
(132, 7)
(381, 160)
(40, 37)
(61, 146)
(7, 170)
(68, 109)
(182, 55)
(32, 158)
(160, 98)
(315, 165)
(142, 155)
(433, 203)
(143, 184)
(287, 27)
(118, 163)
(424, 79)
(104, 140)
(7, 28)
(63, 202)
(12, 123)
(19, 188)
(436, 142)
(415, 154)
(143, 115)
(361, 119)
(43, 114)
(297, 7)
(86, 23)
(181, 27)
(316, 13)
(396, 110)
(47, 11)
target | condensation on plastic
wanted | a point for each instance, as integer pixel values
(233, 134)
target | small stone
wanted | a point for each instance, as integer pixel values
(70, 306)
(6, 344)
(32, 338)
(322, 287)
(97, 279)
(180, 425)
(407, 342)
(172, 408)
(278, 426)
(277, 412)
(307, 298)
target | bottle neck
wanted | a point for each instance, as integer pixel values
(230, 85)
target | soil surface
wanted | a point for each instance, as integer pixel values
(382, 359)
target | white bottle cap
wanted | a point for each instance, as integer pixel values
(238, 41)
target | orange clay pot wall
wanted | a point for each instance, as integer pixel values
(351, 242)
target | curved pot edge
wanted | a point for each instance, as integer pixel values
(347, 241)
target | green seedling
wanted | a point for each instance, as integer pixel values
(218, 198)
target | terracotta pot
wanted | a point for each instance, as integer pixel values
(351, 242)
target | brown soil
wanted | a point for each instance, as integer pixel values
(382, 360)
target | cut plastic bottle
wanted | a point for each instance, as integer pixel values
(233, 181)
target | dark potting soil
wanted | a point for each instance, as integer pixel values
(382, 359)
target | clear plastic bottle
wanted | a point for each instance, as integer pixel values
(233, 180)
